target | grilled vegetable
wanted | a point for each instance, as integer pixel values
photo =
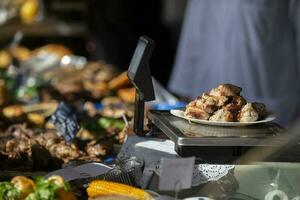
(36, 119)
(57, 180)
(22, 188)
(24, 185)
(103, 188)
(62, 194)
(13, 111)
(52, 188)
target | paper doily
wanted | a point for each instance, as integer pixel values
(203, 173)
(151, 150)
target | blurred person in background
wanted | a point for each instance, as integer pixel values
(254, 44)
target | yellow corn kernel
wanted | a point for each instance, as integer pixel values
(103, 188)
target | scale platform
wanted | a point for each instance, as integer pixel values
(216, 144)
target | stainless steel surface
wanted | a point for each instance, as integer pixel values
(190, 134)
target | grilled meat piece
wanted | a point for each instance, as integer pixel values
(65, 152)
(227, 90)
(93, 149)
(214, 100)
(48, 139)
(58, 147)
(11, 149)
(234, 109)
(221, 100)
(239, 101)
(248, 114)
(204, 106)
(206, 103)
(261, 109)
(20, 131)
(18, 143)
(224, 114)
(201, 108)
(195, 112)
(16, 148)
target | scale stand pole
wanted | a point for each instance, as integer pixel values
(138, 125)
(140, 76)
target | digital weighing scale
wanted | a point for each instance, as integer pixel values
(214, 144)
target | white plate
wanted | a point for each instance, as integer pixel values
(180, 113)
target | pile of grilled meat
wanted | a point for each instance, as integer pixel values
(21, 149)
(224, 103)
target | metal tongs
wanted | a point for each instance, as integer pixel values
(126, 171)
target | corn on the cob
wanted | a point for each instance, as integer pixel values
(102, 188)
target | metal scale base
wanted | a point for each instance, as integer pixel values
(216, 144)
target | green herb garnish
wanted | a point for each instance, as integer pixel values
(8, 191)
(111, 123)
(45, 190)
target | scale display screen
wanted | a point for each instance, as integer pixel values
(136, 59)
(139, 71)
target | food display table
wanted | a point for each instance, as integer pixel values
(72, 113)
